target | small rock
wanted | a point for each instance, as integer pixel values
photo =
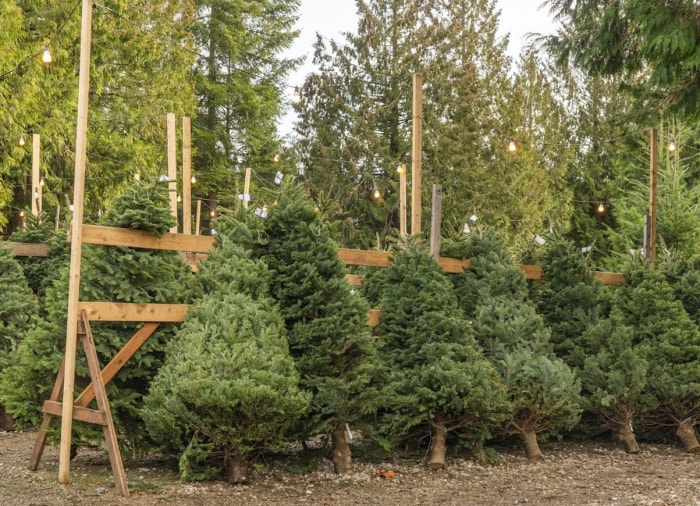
(100, 490)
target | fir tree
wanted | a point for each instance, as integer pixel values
(543, 390)
(119, 274)
(228, 389)
(436, 377)
(327, 321)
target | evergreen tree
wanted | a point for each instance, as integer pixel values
(228, 386)
(17, 308)
(671, 343)
(327, 321)
(436, 378)
(120, 274)
(543, 390)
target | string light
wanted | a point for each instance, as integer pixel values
(401, 168)
(672, 145)
(296, 97)
(512, 148)
(601, 208)
(46, 56)
(376, 193)
(179, 198)
(41, 181)
(193, 179)
(21, 140)
(276, 158)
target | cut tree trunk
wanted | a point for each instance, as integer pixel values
(629, 441)
(438, 448)
(6, 421)
(686, 433)
(237, 468)
(342, 458)
(532, 449)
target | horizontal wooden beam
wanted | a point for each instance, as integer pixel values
(79, 413)
(112, 236)
(611, 278)
(129, 312)
(365, 257)
(27, 249)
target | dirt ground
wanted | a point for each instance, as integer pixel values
(575, 474)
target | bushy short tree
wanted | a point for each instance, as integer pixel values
(543, 390)
(671, 343)
(435, 376)
(120, 274)
(17, 308)
(326, 319)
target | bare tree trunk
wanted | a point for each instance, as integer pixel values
(438, 448)
(6, 421)
(686, 433)
(532, 449)
(237, 468)
(629, 441)
(342, 458)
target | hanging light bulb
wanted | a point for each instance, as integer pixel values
(376, 193)
(179, 197)
(21, 140)
(21, 214)
(46, 55)
(672, 144)
(212, 213)
(41, 181)
(601, 208)
(296, 97)
(400, 169)
(276, 158)
(193, 180)
(512, 148)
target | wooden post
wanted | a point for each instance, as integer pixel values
(653, 169)
(172, 167)
(417, 155)
(199, 216)
(186, 175)
(402, 201)
(246, 187)
(36, 176)
(76, 242)
(435, 221)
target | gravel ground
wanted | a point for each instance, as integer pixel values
(572, 474)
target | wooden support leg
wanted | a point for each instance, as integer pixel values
(40, 442)
(103, 405)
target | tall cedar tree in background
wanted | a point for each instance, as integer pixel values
(652, 46)
(435, 376)
(228, 389)
(119, 274)
(17, 308)
(355, 122)
(670, 340)
(240, 82)
(612, 370)
(141, 54)
(327, 321)
(543, 390)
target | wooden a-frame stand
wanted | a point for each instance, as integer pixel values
(95, 391)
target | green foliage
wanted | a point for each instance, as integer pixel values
(228, 384)
(435, 373)
(542, 389)
(326, 319)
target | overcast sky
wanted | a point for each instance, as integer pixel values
(332, 17)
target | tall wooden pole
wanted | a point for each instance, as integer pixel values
(402, 201)
(436, 221)
(186, 175)
(653, 169)
(172, 166)
(76, 243)
(198, 218)
(417, 155)
(37, 193)
(246, 187)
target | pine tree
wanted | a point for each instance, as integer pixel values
(228, 385)
(542, 389)
(327, 321)
(437, 380)
(670, 341)
(119, 274)
(17, 308)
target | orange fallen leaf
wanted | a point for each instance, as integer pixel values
(389, 475)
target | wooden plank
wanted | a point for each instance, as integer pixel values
(611, 278)
(531, 271)
(40, 442)
(26, 249)
(118, 361)
(363, 257)
(186, 175)
(130, 312)
(172, 166)
(112, 236)
(453, 265)
(355, 279)
(373, 317)
(80, 413)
